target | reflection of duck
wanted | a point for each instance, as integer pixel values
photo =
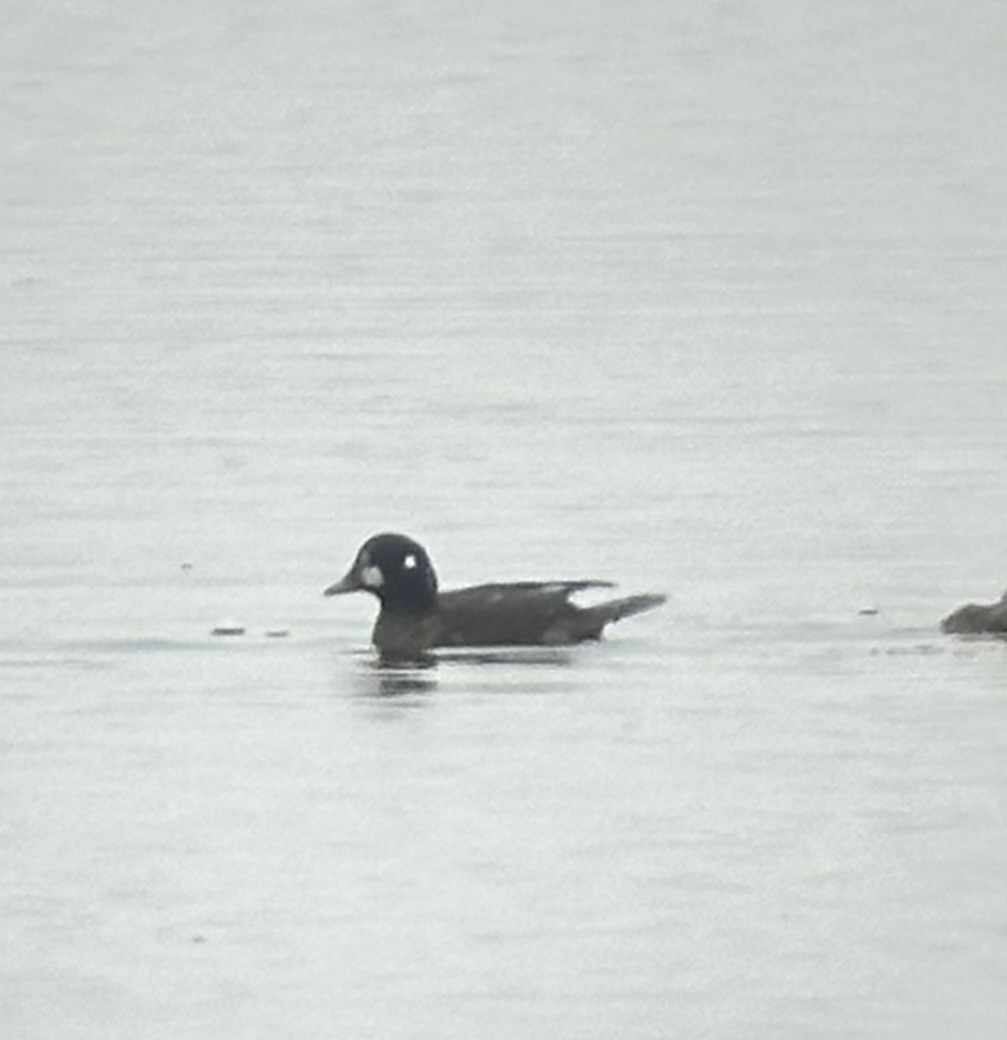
(404, 678)
(978, 617)
(415, 617)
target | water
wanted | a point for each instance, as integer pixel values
(704, 300)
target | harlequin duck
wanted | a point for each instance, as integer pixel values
(415, 617)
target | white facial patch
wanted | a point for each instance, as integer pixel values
(409, 563)
(371, 577)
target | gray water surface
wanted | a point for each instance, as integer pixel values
(702, 299)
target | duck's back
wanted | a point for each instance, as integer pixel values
(528, 613)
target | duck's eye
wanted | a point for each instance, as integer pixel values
(409, 563)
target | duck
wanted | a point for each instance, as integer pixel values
(416, 617)
(978, 618)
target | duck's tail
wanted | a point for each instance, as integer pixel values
(596, 618)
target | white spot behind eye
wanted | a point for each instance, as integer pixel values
(371, 577)
(409, 562)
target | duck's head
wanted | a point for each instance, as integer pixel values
(394, 568)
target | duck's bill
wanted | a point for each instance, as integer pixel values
(347, 584)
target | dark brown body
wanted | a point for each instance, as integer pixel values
(520, 614)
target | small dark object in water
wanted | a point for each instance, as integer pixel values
(228, 630)
(868, 611)
(975, 618)
(277, 633)
(415, 617)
